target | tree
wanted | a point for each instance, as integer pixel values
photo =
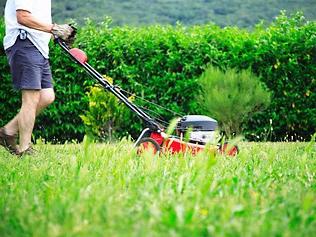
(231, 96)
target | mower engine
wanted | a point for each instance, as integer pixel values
(202, 128)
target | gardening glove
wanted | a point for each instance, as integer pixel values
(65, 32)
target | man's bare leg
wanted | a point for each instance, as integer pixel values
(26, 118)
(47, 96)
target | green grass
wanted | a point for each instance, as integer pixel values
(106, 190)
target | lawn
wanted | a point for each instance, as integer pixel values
(107, 190)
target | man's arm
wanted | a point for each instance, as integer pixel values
(65, 32)
(27, 19)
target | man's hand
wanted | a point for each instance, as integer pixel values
(66, 32)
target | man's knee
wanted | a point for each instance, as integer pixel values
(47, 97)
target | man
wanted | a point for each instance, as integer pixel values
(28, 31)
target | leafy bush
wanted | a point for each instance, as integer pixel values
(8, 97)
(106, 115)
(231, 96)
(163, 64)
(285, 57)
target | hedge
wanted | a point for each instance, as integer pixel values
(163, 64)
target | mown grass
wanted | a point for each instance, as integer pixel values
(106, 190)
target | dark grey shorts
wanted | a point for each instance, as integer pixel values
(29, 69)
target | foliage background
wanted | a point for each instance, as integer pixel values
(163, 63)
(188, 12)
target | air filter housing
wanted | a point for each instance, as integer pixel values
(202, 128)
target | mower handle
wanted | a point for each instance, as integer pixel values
(152, 124)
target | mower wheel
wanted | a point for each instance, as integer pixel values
(147, 144)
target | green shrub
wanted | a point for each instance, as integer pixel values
(106, 116)
(9, 99)
(163, 64)
(231, 96)
(285, 56)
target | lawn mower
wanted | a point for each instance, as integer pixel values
(193, 132)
